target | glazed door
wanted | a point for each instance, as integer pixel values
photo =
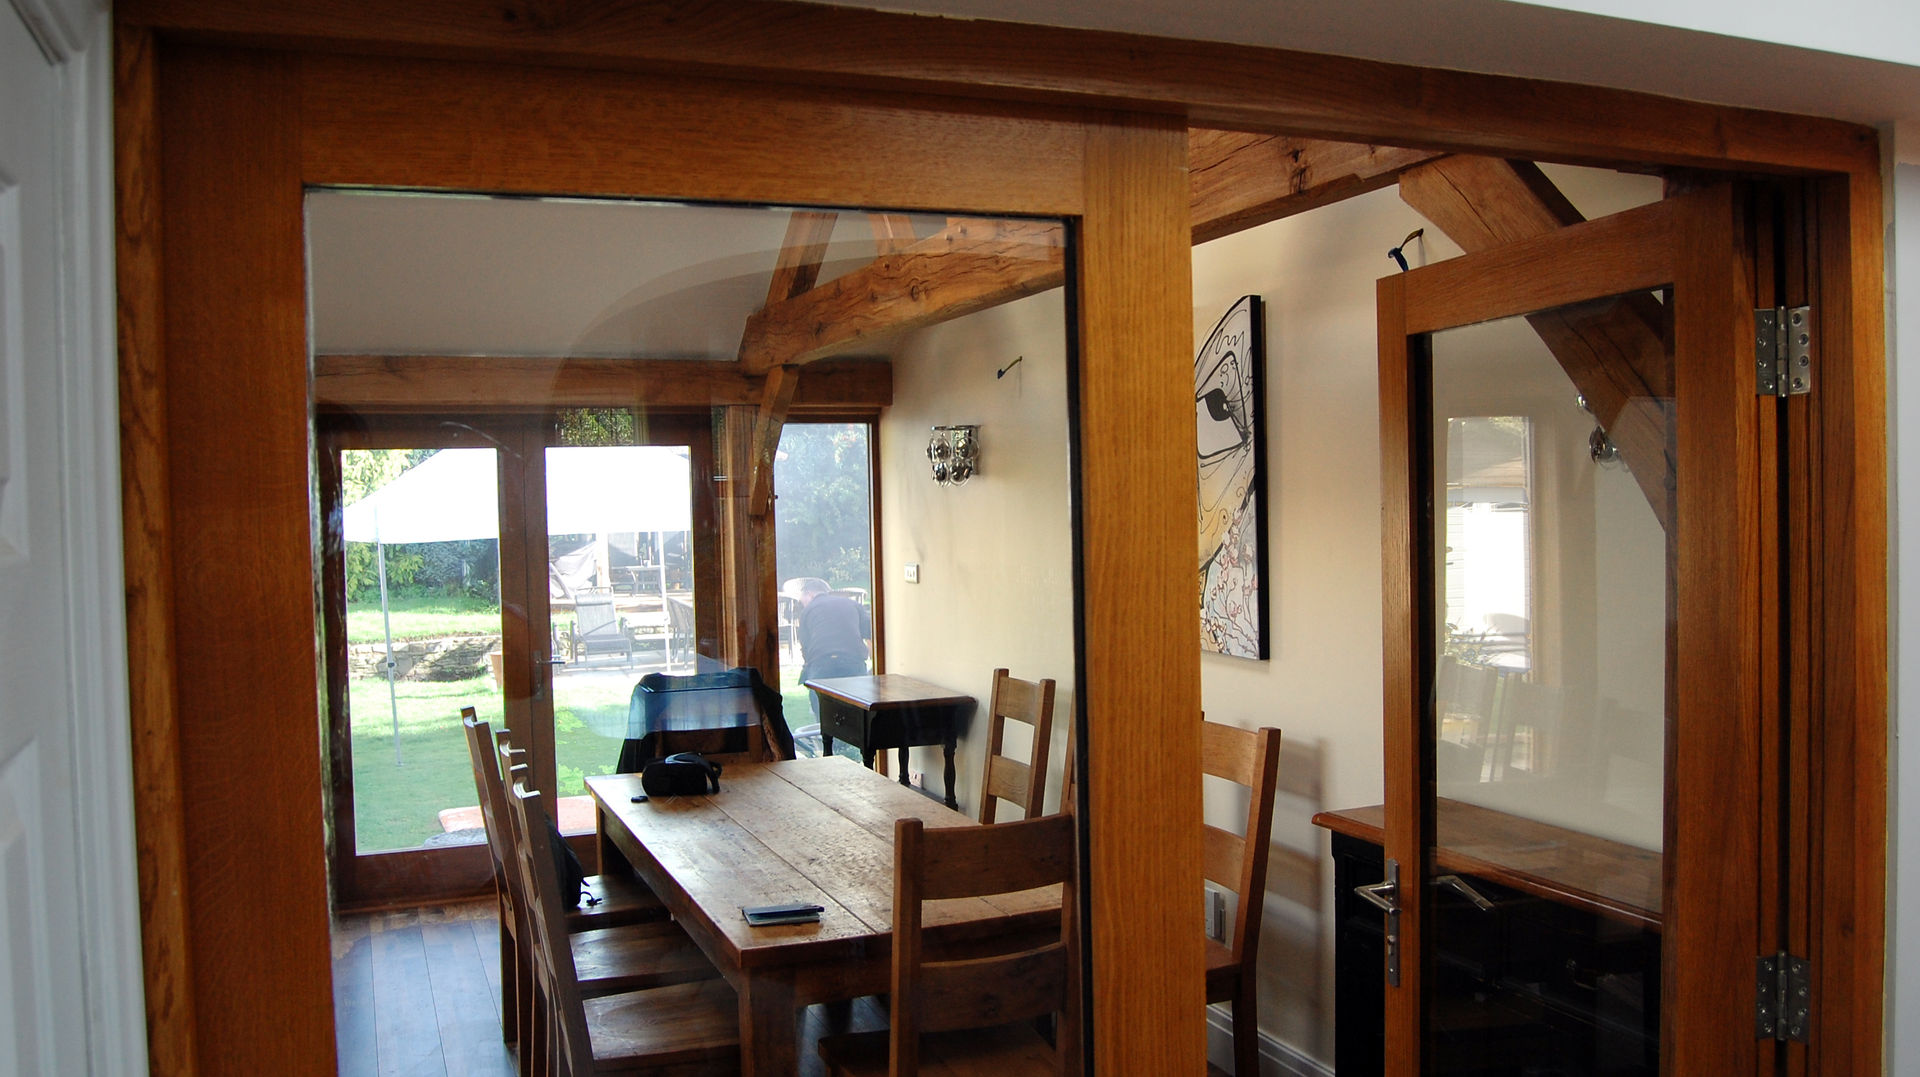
(511, 563)
(1574, 488)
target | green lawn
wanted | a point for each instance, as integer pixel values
(422, 617)
(398, 806)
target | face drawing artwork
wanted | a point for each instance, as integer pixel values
(1226, 426)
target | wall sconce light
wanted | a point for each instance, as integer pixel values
(954, 454)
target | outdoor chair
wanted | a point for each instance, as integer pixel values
(1238, 862)
(974, 1014)
(1009, 779)
(681, 1029)
(598, 627)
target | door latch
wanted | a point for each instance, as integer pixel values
(1386, 897)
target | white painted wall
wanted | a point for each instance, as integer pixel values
(995, 554)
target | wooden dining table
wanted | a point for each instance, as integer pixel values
(806, 830)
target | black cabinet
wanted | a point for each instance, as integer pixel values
(1533, 987)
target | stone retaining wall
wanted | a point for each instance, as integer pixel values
(452, 658)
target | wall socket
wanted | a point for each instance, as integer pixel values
(913, 572)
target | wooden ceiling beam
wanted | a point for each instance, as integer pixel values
(1618, 356)
(972, 264)
(775, 399)
(1241, 179)
(798, 265)
(892, 233)
(401, 382)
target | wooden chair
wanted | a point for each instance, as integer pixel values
(638, 947)
(942, 1009)
(1024, 784)
(1238, 862)
(675, 1030)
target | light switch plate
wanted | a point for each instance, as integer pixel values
(913, 572)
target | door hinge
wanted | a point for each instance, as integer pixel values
(1783, 998)
(1783, 350)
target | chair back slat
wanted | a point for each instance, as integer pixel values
(1008, 778)
(981, 989)
(1250, 758)
(1023, 701)
(1223, 856)
(994, 990)
(1005, 858)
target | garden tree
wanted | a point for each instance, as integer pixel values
(823, 507)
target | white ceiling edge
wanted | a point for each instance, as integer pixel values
(1874, 29)
(1511, 38)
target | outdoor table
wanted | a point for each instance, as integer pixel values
(812, 830)
(890, 710)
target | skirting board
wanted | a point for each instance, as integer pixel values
(1276, 1058)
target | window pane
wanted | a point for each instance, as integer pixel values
(823, 524)
(423, 589)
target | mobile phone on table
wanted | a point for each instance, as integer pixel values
(792, 912)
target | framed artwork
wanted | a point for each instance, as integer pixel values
(1228, 381)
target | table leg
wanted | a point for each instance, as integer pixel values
(902, 752)
(948, 747)
(866, 756)
(826, 745)
(769, 1027)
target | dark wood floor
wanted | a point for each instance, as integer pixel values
(416, 993)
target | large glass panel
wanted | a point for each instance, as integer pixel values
(824, 531)
(627, 363)
(1550, 682)
(423, 638)
(619, 588)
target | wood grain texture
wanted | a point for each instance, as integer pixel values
(236, 439)
(1707, 960)
(1403, 485)
(969, 266)
(749, 612)
(1214, 84)
(1240, 179)
(1631, 251)
(798, 264)
(775, 399)
(1846, 477)
(1135, 385)
(366, 383)
(145, 517)
(492, 127)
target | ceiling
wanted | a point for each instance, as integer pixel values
(415, 274)
(1498, 37)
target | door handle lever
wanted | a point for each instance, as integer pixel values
(1466, 889)
(1383, 896)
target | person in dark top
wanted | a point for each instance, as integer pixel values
(833, 632)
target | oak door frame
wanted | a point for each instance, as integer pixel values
(241, 134)
(1012, 71)
(1712, 894)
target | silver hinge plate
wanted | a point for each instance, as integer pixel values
(1783, 1003)
(1783, 350)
